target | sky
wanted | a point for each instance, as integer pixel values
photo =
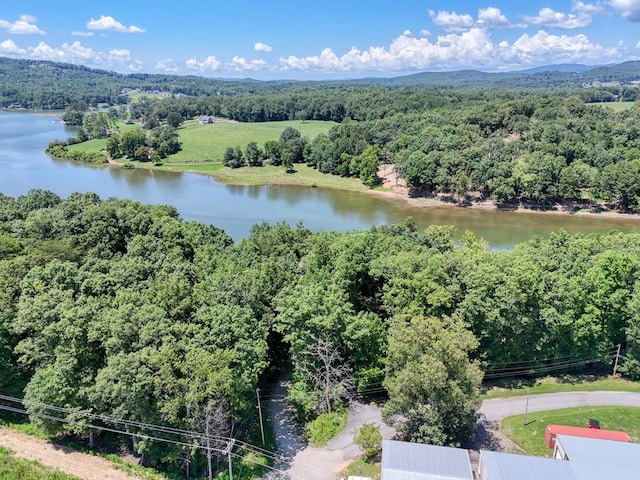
(331, 39)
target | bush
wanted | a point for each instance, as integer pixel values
(369, 438)
(325, 427)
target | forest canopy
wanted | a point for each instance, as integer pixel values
(121, 309)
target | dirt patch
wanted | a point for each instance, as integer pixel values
(61, 458)
(391, 181)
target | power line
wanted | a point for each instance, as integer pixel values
(141, 425)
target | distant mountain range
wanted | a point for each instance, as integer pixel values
(549, 76)
(45, 84)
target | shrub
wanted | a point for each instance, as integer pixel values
(325, 427)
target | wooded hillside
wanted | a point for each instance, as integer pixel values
(115, 308)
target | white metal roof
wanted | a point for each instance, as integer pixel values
(509, 466)
(419, 461)
(595, 459)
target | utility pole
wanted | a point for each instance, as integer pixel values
(526, 409)
(228, 452)
(260, 414)
(615, 365)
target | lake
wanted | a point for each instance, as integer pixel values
(24, 165)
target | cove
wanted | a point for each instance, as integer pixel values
(24, 165)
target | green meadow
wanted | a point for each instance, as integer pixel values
(205, 143)
(530, 436)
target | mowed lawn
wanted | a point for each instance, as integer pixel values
(530, 437)
(206, 143)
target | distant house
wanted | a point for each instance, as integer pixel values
(205, 119)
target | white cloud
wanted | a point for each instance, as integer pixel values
(25, 25)
(208, 64)
(8, 47)
(120, 54)
(166, 65)
(240, 64)
(425, 33)
(471, 49)
(492, 17)
(111, 24)
(629, 9)
(548, 17)
(451, 21)
(590, 8)
(262, 47)
(536, 48)
(82, 34)
(119, 59)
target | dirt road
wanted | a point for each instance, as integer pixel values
(66, 459)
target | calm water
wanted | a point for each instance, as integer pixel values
(24, 165)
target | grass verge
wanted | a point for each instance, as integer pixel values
(117, 462)
(566, 383)
(530, 437)
(12, 468)
(360, 468)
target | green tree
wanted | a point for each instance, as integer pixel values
(432, 384)
(368, 438)
(253, 154)
(369, 165)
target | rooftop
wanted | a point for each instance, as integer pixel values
(418, 461)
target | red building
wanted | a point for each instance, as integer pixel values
(551, 431)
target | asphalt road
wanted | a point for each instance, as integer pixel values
(492, 412)
(501, 408)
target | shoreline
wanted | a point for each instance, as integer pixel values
(401, 194)
(489, 205)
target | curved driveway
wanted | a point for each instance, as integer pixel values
(500, 408)
(492, 412)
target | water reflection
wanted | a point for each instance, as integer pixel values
(23, 138)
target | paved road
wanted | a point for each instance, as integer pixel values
(501, 408)
(492, 412)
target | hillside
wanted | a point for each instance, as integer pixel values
(51, 85)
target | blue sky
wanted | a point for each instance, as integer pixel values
(287, 39)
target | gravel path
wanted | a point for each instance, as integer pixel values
(302, 462)
(492, 412)
(66, 459)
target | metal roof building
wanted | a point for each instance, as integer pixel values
(593, 459)
(509, 466)
(418, 461)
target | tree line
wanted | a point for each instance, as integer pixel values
(117, 308)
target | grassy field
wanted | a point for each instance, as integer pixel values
(617, 106)
(569, 383)
(99, 143)
(207, 143)
(530, 437)
(270, 175)
(360, 468)
(12, 468)
(201, 143)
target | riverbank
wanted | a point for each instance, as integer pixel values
(392, 187)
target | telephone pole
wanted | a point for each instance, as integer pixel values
(615, 365)
(260, 414)
(227, 450)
